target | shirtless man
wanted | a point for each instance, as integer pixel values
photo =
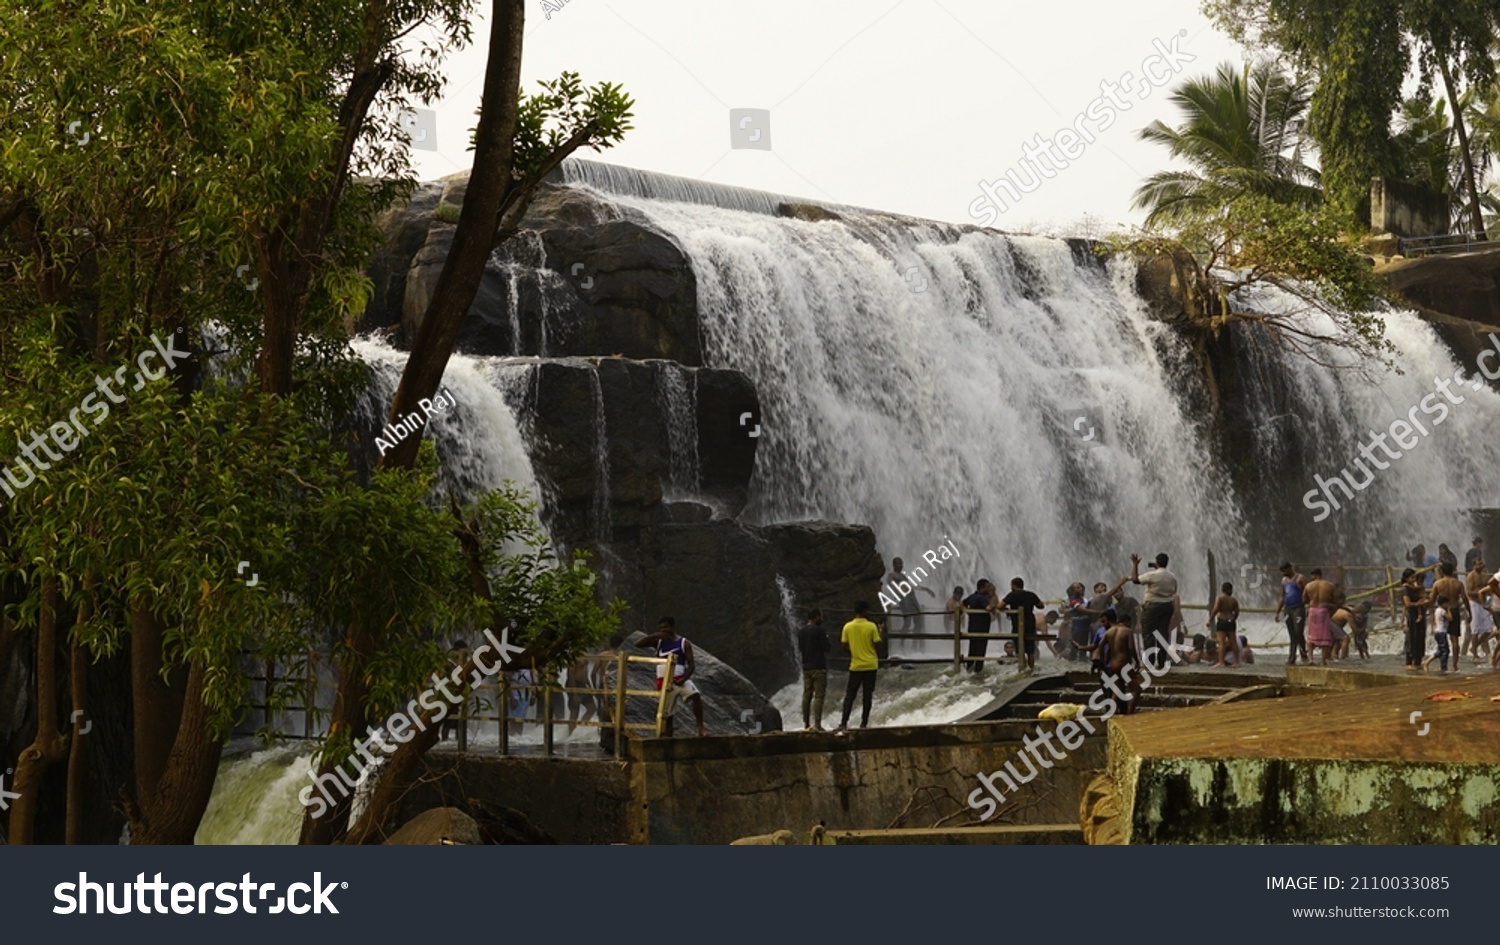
(583, 674)
(1458, 605)
(1123, 664)
(1318, 596)
(953, 612)
(1223, 618)
(1351, 620)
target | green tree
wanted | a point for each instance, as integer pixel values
(1242, 132)
(1362, 52)
(210, 173)
(1330, 295)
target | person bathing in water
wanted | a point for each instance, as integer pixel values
(1224, 619)
(1318, 596)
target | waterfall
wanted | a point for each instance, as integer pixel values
(926, 380)
(1326, 414)
(603, 525)
(479, 442)
(1015, 394)
(629, 182)
(678, 400)
(255, 797)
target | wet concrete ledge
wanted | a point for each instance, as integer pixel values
(1346, 767)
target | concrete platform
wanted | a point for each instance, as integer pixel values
(1350, 766)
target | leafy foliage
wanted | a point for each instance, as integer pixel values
(1361, 52)
(1243, 134)
(1253, 240)
(165, 166)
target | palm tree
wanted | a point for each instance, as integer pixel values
(1431, 155)
(1243, 134)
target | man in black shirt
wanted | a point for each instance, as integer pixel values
(1026, 602)
(812, 640)
(981, 604)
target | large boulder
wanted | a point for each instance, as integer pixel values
(582, 276)
(615, 438)
(437, 827)
(740, 590)
(732, 705)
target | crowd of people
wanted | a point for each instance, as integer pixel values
(1110, 628)
(1458, 615)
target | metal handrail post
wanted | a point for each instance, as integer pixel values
(666, 685)
(620, 707)
(958, 625)
(547, 717)
(463, 724)
(1021, 668)
(504, 714)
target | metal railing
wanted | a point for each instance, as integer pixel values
(1438, 245)
(610, 702)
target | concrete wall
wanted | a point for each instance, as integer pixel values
(1245, 800)
(1407, 210)
(572, 800)
(717, 790)
(1227, 799)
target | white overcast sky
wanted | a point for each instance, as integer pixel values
(899, 106)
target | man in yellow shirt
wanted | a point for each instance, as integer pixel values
(860, 636)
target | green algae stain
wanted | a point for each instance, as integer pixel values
(1478, 795)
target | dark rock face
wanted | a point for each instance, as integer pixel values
(1173, 285)
(405, 229)
(435, 827)
(615, 455)
(607, 446)
(578, 279)
(645, 458)
(720, 580)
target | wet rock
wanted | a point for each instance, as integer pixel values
(437, 827)
(581, 277)
(732, 705)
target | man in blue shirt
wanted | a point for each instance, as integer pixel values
(1421, 559)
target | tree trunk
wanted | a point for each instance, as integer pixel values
(78, 750)
(473, 240)
(156, 707)
(171, 814)
(1476, 219)
(348, 715)
(49, 746)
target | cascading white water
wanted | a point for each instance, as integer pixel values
(678, 402)
(924, 381)
(928, 379)
(1422, 496)
(479, 442)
